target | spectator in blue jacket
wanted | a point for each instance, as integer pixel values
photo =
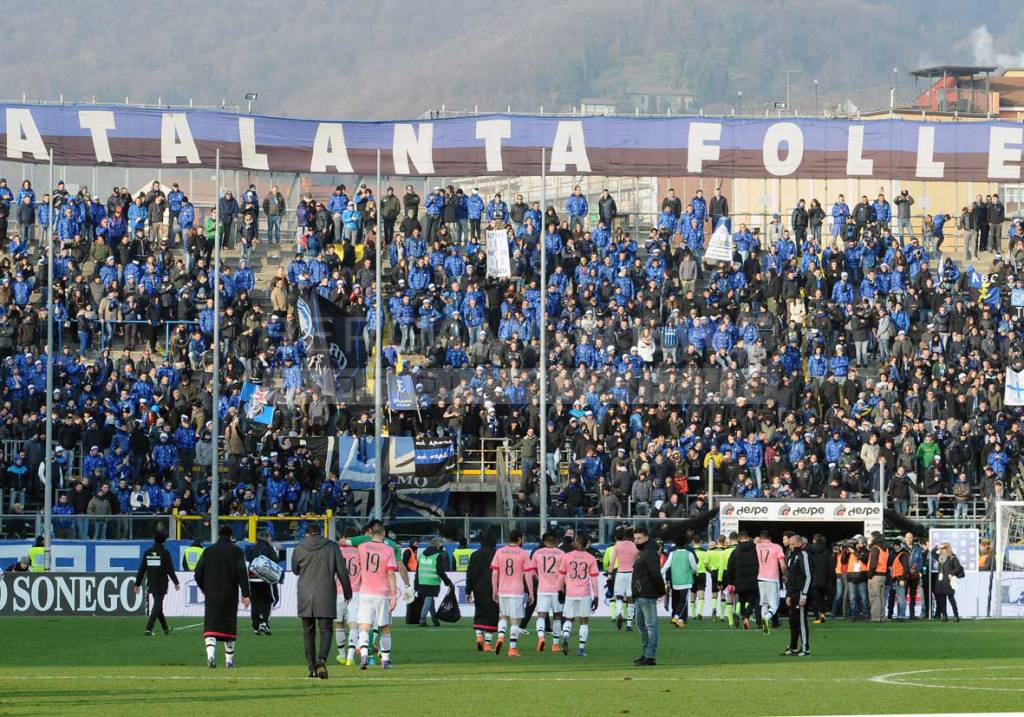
(497, 210)
(576, 207)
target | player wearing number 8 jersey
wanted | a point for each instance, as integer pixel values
(547, 561)
(579, 572)
(377, 595)
(348, 610)
(508, 570)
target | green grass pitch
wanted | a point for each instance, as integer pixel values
(106, 666)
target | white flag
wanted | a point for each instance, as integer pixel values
(1013, 394)
(720, 247)
(498, 263)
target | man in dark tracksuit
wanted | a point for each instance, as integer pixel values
(264, 595)
(798, 587)
(157, 567)
(741, 574)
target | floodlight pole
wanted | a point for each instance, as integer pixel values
(215, 438)
(542, 418)
(378, 373)
(48, 482)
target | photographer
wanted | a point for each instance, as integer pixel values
(857, 578)
(903, 203)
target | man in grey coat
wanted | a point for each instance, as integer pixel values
(318, 561)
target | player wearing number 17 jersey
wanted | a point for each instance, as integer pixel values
(508, 570)
(378, 593)
(579, 574)
(771, 564)
(547, 561)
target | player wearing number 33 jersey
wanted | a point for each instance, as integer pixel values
(579, 572)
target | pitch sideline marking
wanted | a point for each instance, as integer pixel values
(895, 678)
(460, 678)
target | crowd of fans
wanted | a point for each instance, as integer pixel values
(815, 364)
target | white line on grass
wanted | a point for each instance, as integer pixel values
(186, 627)
(911, 678)
(447, 679)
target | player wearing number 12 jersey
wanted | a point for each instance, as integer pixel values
(508, 572)
(378, 593)
(579, 573)
(547, 561)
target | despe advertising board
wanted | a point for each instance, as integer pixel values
(70, 594)
(733, 512)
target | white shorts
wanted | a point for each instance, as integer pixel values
(511, 606)
(577, 607)
(347, 610)
(374, 610)
(623, 585)
(769, 592)
(548, 603)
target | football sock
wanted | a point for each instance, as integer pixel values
(211, 648)
(339, 638)
(488, 636)
(584, 634)
(691, 609)
(385, 647)
(700, 606)
(566, 631)
(229, 652)
(556, 630)
(541, 624)
(718, 606)
(502, 628)
(514, 636)
(630, 610)
(364, 643)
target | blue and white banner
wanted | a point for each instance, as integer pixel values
(401, 392)
(357, 459)
(426, 494)
(258, 403)
(508, 144)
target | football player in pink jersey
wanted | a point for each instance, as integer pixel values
(579, 573)
(378, 593)
(348, 611)
(508, 571)
(771, 565)
(623, 556)
(547, 561)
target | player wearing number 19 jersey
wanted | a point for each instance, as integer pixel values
(508, 570)
(579, 574)
(378, 593)
(547, 561)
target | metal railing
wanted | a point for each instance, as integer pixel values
(130, 526)
(245, 527)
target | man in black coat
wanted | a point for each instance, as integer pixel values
(157, 568)
(221, 574)
(823, 576)
(741, 574)
(648, 587)
(264, 594)
(481, 593)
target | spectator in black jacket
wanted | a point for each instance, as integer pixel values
(800, 221)
(648, 586)
(718, 207)
(741, 575)
(996, 215)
